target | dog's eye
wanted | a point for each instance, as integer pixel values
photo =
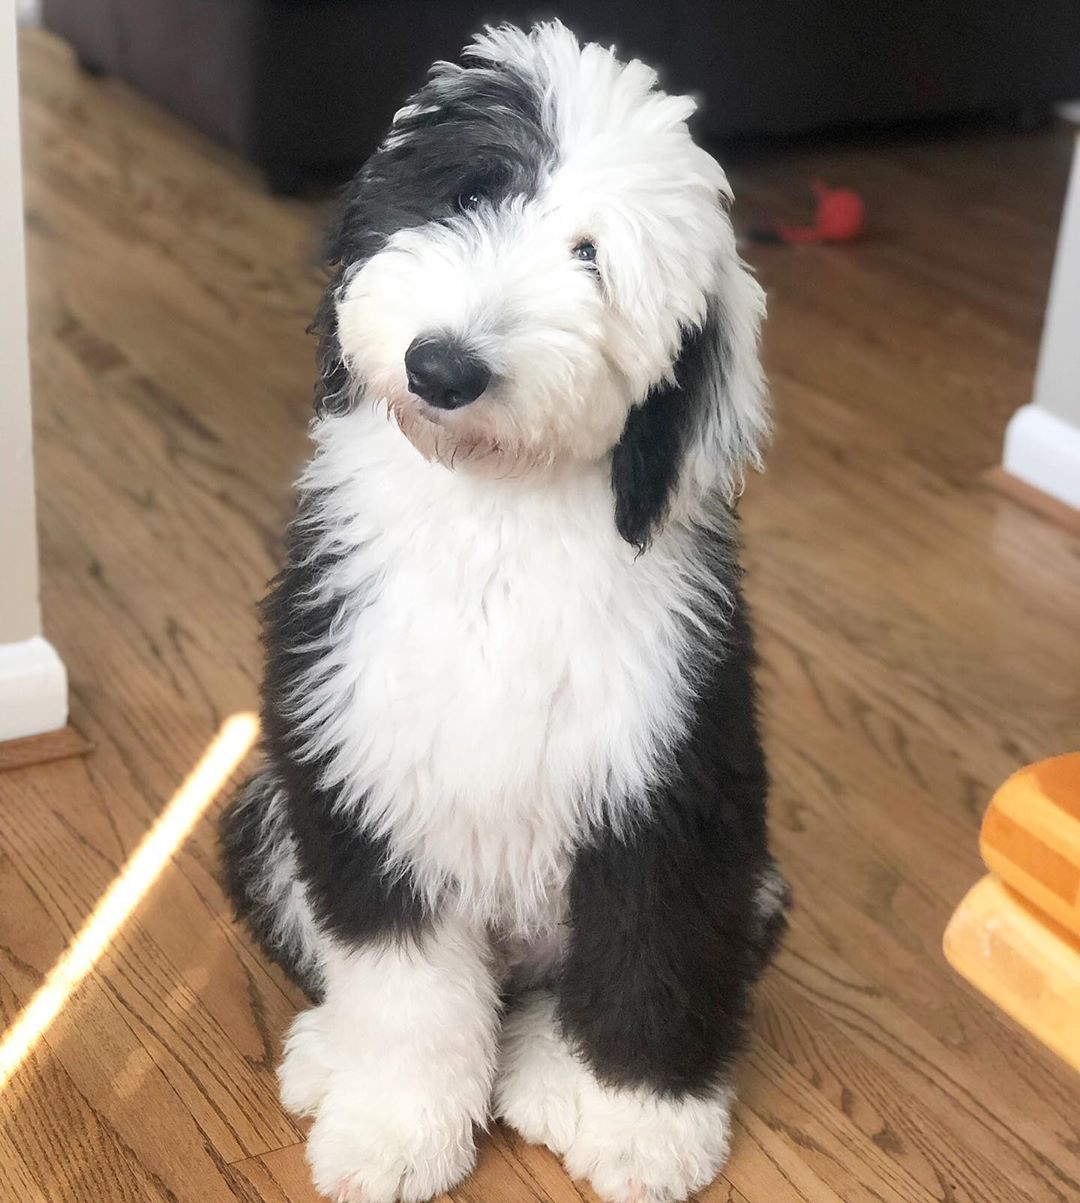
(484, 184)
(471, 198)
(585, 251)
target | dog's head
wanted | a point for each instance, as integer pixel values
(537, 268)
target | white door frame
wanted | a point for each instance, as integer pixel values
(33, 684)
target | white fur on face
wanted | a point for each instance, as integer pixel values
(571, 349)
(396, 1066)
(507, 284)
(632, 1145)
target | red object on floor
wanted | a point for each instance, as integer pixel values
(840, 217)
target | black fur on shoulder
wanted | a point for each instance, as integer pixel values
(472, 135)
(672, 921)
(342, 866)
(648, 458)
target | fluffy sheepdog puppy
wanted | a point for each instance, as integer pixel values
(510, 829)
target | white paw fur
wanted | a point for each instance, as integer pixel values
(373, 1142)
(632, 1145)
(396, 1067)
(304, 1074)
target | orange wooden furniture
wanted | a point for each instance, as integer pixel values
(1016, 935)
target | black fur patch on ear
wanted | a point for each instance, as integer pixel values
(332, 392)
(476, 133)
(648, 458)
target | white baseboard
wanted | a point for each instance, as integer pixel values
(33, 689)
(1044, 451)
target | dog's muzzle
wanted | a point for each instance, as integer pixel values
(444, 373)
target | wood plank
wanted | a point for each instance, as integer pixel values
(42, 749)
(1033, 499)
(100, 1124)
(278, 1177)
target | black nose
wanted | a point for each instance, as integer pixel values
(444, 373)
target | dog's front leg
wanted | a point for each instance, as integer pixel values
(396, 1065)
(633, 1143)
(623, 1068)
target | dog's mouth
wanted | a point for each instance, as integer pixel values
(446, 436)
(457, 438)
(425, 411)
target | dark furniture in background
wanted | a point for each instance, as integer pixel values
(304, 85)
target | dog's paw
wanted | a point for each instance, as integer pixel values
(632, 1145)
(304, 1074)
(638, 1147)
(539, 1079)
(387, 1128)
(369, 1146)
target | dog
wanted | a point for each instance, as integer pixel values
(510, 830)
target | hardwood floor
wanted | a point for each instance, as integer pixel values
(919, 631)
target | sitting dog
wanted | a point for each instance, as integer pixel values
(510, 830)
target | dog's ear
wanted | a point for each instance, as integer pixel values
(648, 458)
(333, 391)
(350, 240)
(701, 427)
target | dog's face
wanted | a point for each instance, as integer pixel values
(537, 267)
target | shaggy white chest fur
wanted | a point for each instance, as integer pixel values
(504, 671)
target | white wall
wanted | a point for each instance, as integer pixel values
(33, 693)
(19, 617)
(1042, 443)
(1057, 382)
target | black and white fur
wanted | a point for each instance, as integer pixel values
(510, 832)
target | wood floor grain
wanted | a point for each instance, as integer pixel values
(919, 629)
